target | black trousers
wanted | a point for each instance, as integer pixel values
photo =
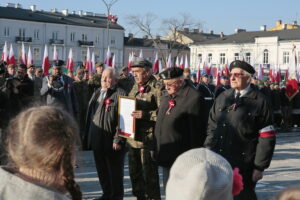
(110, 169)
(248, 193)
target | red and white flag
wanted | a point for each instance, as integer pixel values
(23, 59)
(108, 58)
(169, 62)
(156, 64)
(260, 73)
(70, 61)
(93, 63)
(4, 56)
(11, 56)
(46, 63)
(113, 63)
(277, 74)
(199, 73)
(88, 60)
(186, 62)
(141, 54)
(181, 64)
(160, 66)
(55, 56)
(292, 87)
(29, 57)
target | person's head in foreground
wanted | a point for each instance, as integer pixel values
(40, 146)
(200, 174)
(240, 74)
(291, 193)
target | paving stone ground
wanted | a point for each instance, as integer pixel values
(283, 172)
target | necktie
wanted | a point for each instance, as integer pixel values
(237, 97)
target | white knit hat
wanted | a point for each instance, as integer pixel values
(200, 174)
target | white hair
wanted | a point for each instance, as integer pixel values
(112, 70)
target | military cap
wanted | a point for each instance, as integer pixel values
(170, 73)
(39, 69)
(141, 62)
(206, 75)
(22, 66)
(99, 64)
(243, 65)
(11, 66)
(58, 63)
(224, 77)
(29, 66)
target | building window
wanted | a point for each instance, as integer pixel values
(6, 31)
(21, 32)
(72, 38)
(36, 34)
(113, 40)
(266, 57)
(200, 58)
(248, 57)
(36, 53)
(84, 37)
(236, 56)
(222, 58)
(55, 35)
(97, 40)
(209, 58)
(83, 55)
(286, 57)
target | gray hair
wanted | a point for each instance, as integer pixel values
(112, 70)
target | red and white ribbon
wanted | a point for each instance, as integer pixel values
(172, 104)
(107, 102)
(268, 131)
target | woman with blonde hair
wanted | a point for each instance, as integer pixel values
(41, 152)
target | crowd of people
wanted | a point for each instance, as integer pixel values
(197, 132)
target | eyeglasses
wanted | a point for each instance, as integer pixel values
(236, 75)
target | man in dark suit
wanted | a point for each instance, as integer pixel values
(58, 89)
(240, 128)
(180, 122)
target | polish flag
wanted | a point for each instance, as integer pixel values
(46, 63)
(260, 73)
(177, 64)
(226, 69)
(218, 74)
(11, 56)
(181, 65)
(93, 63)
(160, 66)
(199, 73)
(141, 54)
(88, 60)
(29, 57)
(4, 56)
(55, 56)
(113, 63)
(23, 55)
(130, 57)
(108, 58)
(292, 87)
(186, 62)
(278, 75)
(169, 62)
(70, 61)
(156, 64)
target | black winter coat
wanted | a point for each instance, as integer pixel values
(183, 128)
(236, 133)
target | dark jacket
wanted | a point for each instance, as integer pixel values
(183, 128)
(235, 133)
(221, 88)
(101, 124)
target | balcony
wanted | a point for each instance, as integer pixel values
(56, 42)
(85, 43)
(24, 39)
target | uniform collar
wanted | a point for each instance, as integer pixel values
(244, 91)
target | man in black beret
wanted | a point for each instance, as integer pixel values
(240, 128)
(58, 89)
(180, 122)
(142, 169)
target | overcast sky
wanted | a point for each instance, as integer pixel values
(217, 15)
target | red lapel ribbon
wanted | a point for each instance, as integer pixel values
(172, 104)
(107, 102)
(141, 89)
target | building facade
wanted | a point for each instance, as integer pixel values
(62, 29)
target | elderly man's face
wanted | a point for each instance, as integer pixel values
(173, 85)
(107, 79)
(239, 79)
(141, 75)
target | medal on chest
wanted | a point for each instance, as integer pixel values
(171, 104)
(107, 103)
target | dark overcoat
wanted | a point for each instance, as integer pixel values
(183, 128)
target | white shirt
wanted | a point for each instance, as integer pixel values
(244, 91)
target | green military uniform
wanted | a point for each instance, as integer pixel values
(81, 90)
(142, 169)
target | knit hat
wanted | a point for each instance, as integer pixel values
(200, 174)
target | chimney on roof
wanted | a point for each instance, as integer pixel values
(53, 10)
(80, 12)
(263, 28)
(196, 30)
(278, 22)
(17, 5)
(33, 8)
(65, 12)
(284, 26)
(130, 35)
(186, 30)
(238, 30)
(294, 23)
(221, 34)
(211, 32)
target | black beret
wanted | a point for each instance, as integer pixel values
(58, 63)
(243, 65)
(141, 62)
(170, 73)
(22, 66)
